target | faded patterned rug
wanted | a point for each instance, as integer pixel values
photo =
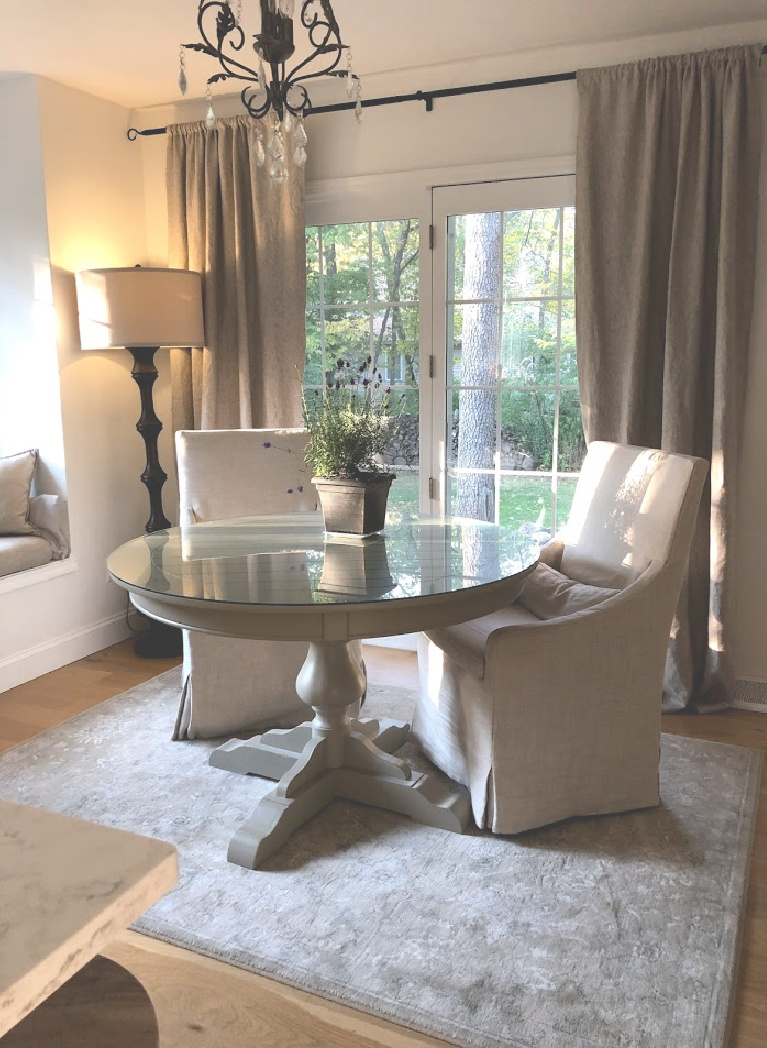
(598, 933)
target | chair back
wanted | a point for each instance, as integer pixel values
(632, 506)
(242, 472)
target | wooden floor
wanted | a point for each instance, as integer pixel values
(205, 1003)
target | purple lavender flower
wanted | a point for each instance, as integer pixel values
(300, 489)
(266, 444)
(289, 491)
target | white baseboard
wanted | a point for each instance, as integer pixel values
(52, 654)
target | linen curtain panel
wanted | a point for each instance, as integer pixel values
(666, 203)
(245, 234)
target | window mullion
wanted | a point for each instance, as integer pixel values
(321, 277)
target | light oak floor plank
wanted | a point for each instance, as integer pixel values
(208, 1004)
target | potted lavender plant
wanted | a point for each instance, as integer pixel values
(349, 425)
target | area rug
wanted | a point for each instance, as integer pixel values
(597, 933)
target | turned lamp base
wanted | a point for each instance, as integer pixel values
(158, 641)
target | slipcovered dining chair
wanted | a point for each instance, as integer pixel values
(551, 707)
(233, 686)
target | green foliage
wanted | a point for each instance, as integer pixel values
(357, 275)
(362, 294)
(538, 316)
(349, 422)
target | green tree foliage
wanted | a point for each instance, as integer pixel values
(536, 245)
(362, 295)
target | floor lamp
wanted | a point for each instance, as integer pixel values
(142, 309)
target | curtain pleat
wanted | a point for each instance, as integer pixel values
(666, 203)
(245, 234)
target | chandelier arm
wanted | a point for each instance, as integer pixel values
(326, 70)
(310, 18)
(225, 61)
(304, 107)
(256, 112)
(225, 26)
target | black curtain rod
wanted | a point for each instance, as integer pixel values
(418, 96)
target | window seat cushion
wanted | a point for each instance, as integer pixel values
(21, 552)
(549, 594)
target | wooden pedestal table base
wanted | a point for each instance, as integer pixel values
(275, 753)
(339, 761)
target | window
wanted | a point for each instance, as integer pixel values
(512, 422)
(497, 407)
(363, 300)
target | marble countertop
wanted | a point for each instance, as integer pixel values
(67, 887)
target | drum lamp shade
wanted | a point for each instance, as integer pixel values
(140, 307)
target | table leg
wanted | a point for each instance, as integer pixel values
(275, 752)
(340, 762)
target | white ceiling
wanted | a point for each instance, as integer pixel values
(127, 50)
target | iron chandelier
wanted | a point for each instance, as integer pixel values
(270, 90)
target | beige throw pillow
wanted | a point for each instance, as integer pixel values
(16, 472)
(551, 595)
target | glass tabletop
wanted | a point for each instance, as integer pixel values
(291, 560)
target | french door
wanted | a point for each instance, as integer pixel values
(504, 426)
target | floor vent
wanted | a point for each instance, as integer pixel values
(751, 695)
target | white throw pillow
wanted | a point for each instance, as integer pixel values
(16, 472)
(551, 595)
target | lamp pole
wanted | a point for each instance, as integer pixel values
(149, 426)
(159, 640)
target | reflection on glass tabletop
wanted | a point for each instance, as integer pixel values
(291, 560)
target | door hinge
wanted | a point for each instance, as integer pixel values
(432, 488)
(431, 365)
(431, 238)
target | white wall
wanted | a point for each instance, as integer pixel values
(30, 411)
(94, 204)
(390, 161)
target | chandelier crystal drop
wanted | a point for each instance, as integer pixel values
(182, 81)
(272, 90)
(210, 116)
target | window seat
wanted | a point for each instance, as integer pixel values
(22, 552)
(50, 541)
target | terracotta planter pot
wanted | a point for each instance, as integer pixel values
(354, 506)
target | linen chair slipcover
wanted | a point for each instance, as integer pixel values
(231, 685)
(547, 719)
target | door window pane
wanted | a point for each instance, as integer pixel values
(476, 335)
(473, 431)
(514, 434)
(531, 253)
(530, 343)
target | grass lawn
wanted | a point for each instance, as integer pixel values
(523, 499)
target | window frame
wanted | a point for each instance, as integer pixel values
(518, 194)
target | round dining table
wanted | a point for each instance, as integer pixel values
(285, 578)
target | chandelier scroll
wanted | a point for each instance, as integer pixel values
(270, 90)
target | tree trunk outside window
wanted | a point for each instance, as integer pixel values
(477, 407)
